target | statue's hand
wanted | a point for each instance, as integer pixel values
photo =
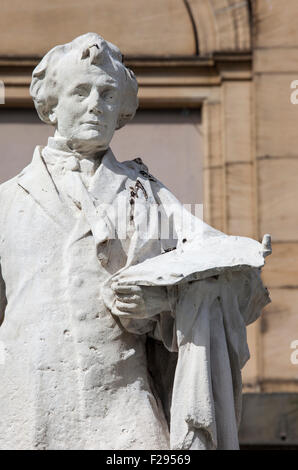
(140, 302)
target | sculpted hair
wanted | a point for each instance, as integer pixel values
(101, 53)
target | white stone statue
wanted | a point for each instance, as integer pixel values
(123, 317)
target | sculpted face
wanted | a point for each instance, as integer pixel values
(88, 106)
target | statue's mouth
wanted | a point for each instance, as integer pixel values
(94, 123)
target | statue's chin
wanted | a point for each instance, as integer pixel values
(89, 142)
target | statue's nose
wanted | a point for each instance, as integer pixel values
(95, 105)
(95, 110)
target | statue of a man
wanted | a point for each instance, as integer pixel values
(95, 302)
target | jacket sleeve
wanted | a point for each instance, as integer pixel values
(3, 301)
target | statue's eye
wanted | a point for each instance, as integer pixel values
(108, 95)
(81, 91)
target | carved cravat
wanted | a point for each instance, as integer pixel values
(70, 175)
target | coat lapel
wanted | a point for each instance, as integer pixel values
(110, 179)
(38, 183)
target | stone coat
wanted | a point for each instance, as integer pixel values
(75, 375)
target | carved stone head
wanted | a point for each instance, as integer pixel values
(85, 91)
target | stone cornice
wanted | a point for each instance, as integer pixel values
(163, 81)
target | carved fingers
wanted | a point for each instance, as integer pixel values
(129, 300)
(266, 243)
(140, 302)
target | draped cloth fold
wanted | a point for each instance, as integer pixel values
(207, 327)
